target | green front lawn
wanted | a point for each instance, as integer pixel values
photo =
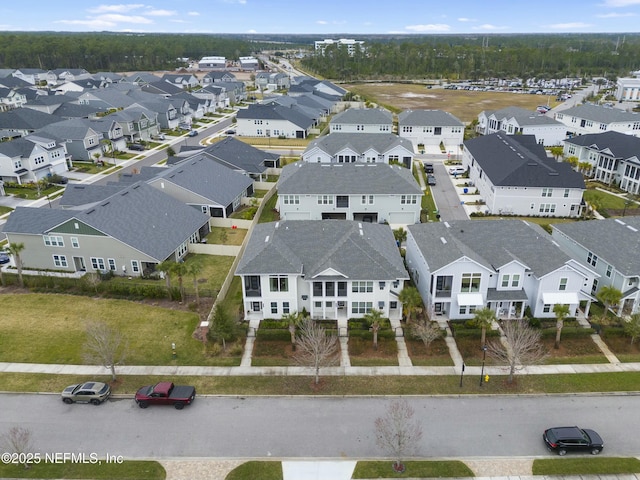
(269, 470)
(128, 470)
(413, 469)
(586, 466)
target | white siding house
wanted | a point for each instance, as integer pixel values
(506, 265)
(362, 120)
(515, 120)
(514, 176)
(374, 193)
(585, 119)
(431, 131)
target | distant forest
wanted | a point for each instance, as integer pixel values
(384, 57)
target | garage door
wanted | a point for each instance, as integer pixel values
(402, 218)
(297, 216)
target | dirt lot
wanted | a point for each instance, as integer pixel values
(464, 104)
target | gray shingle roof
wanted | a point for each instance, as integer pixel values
(616, 241)
(26, 119)
(363, 116)
(78, 195)
(436, 118)
(236, 154)
(517, 160)
(347, 178)
(360, 251)
(524, 117)
(621, 145)
(491, 243)
(601, 114)
(360, 142)
(276, 112)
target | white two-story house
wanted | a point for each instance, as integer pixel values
(374, 193)
(362, 120)
(360, 147)
(432, 131)
(584, 119)
(610, 248)
(505, 265)
(520, 121)
(332, 269)
(31, 158)
(514, 176)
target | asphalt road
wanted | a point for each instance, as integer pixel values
(453, 427)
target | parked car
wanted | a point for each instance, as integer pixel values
(543, 108)
(165, 393)
(458, 170)
(88, 392)
(4, 258)
(428, 168)
(193, 133)
(230, 132)
(160, 136)
(431, 179)
(136, 146)
(569, 439)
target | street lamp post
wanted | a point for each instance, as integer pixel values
(484, 357)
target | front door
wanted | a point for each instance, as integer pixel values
(79, 264)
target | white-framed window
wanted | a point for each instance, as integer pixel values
(547, 208)
(97, 263)
(470, 282)
(515, 280)
(53, 241)
(566, 193)
(74, 242)
(135, 266)
(366, 200)
(563, 284)
(546, 308)
(547, 192)
(362, 287)
(291, 199)
(274, 307)
(609, 271)
(60, 261)
(325, 199)
(112, 264)
(256, 306)
(505, 280)
(408, 199)
(278, 283)
(285, 307)
(361, 307)
(592, 259)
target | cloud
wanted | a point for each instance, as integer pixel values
(239, 2)
(487, 27)
(161, 13)
(620, 3)
(430, 27)
(463, 19)
(193, 14)
(569, 26)
(322, 22)
(116, 8)
(616, 15)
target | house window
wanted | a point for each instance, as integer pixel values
(547, 192)
(382, 285)
(317, 305)
(256, 306)
(367, 200)
(547, 207)
(112, 264)
(546, 308)
(325, 200)
(330, 289)
(463, 310)
(317, 289)
(393, 305)
(394, 158)
(609, 270)
(566, 193)
(74, 242)
(361, 307)
(279, 284)
(53, 241)
(135, 266)
(505, 280)
(97, 263)
(563, 284)
(408, 199)
(470, 282)
(285, 307)
(592, 259)
(60, 261)
(274, 307)
(594, 287)
(291, 199)
(252, 286)
(515, 280)
(362, 287)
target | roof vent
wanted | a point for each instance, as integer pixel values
(266, 239)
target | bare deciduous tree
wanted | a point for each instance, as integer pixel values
(18, 440)
(104, 346)
(632, 326)
(314, 348)
(427, 331)
(520, 346)
(93, 280)
(397, 432)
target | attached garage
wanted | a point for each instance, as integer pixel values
(402, 218)
(297, 216)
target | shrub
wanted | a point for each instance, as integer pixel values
(274, 334)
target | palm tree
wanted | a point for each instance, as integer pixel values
(374, 318)
(411, 301)
(484, 318)
(610, 296)
(194, 268)
(15, 249)
(561, 311)
(180, 269)
(166, 267)
(293, 319)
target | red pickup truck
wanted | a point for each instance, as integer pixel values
(165, 393)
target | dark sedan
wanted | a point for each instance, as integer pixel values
(572, 439)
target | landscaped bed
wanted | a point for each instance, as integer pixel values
(437, 355)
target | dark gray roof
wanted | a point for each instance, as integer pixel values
(517, 160)
(239, 155)
(72, 129)
(436, 118)
(276, 112)
(360, 251)
(26, 119)
(601, 114)
(140, 216)
(19, 147)
(78, 195)
(524, 117)
(491, 243)
(616, 241)
(363, 116)
(347, 178)
(359, 142)
(619, 144)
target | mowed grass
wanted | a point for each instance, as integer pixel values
(463, 104)
(413, 469)
(586, 466)
(40, 328)
(128, 470)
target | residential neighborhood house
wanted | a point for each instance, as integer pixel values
(520, 121)
(431, 131)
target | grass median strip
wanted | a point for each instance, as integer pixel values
(128, 470)
(269, 470)
(586, 466)
(413, 469)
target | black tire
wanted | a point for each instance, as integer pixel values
(143, 404)
(95, 401)
(595, 451)
(562, 452)
(68, 401)
(179, 405)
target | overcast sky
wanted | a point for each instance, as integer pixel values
(324, 17)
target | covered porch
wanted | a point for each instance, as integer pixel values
(507, 304)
